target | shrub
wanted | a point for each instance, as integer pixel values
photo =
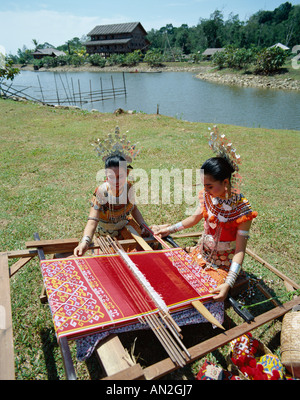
(116, 59)
(270, 60)
(133, 58)
(235, 58)
(49, 62)
(153, 58)
(97, 60)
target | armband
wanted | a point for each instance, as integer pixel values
(176, 228)
(93, 219)
(243, 233)
(233, 273)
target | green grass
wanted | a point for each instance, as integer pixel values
(48, 174)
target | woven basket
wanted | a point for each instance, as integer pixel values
(290, 343)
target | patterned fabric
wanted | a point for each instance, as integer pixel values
(271, 363)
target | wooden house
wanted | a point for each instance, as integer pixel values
(208, 53)
(48, 52)
(117, 39)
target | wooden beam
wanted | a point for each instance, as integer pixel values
(166, 366)
(18, 265)
(54, 246)
(273, 269)
(132, 373)
(113, 356)
(21, 253)
(7, 363)
(138, 238)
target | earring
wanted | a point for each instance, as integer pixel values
(226, 193)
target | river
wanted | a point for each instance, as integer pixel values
(177, 94)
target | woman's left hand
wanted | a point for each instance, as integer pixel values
(222, 292)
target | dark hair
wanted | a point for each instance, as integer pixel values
(114, 161)
(218, 167)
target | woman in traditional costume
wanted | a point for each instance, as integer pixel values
(227, 218)
(113, 203)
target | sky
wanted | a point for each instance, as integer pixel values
(57, 21)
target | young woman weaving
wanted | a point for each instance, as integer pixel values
(113, 201)
(227, 218)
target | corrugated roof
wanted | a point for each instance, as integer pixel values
(50, 51)
(114, 28)
(209, 52)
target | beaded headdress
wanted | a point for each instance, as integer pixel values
(116, 145)
(223, 148)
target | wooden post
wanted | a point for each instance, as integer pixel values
(91, 93)
(113, 88)
(41, 89)
(73, 91)
(56, 89)
(101, 87)
(79, 93)
(124, 84)
(7, 363)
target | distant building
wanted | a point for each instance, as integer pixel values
(208, 53)
(117, 39)
(48, 52)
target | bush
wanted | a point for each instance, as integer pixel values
(153, 58)
(133, 58)
(97, 60)
(62, 60)
(49, 62)
(116, 59)
(235, 58)
(270, 60)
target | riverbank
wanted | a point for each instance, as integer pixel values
(142, 67)
(258, 81)
(203, 70)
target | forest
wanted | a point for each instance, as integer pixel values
(262, 29)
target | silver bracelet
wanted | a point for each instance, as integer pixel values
(86, 239)
(176, 228)
(245, 234)
(93, 219)
(233, 273)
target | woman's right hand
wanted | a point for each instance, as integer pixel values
(81, 249)
(160, 230)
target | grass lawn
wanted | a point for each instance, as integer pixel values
(48, 174)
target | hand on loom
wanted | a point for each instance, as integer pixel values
(81, 249)
(160, 230)
(222, 292)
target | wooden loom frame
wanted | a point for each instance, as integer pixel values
(111, 351)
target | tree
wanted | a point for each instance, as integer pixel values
(213, 29)
(8, 71)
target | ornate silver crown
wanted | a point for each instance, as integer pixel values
(116, 145)
(220, 145)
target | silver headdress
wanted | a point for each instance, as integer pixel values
(223, 148)
(116, 145)
(220, 145)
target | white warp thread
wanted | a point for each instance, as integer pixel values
(143, 280)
